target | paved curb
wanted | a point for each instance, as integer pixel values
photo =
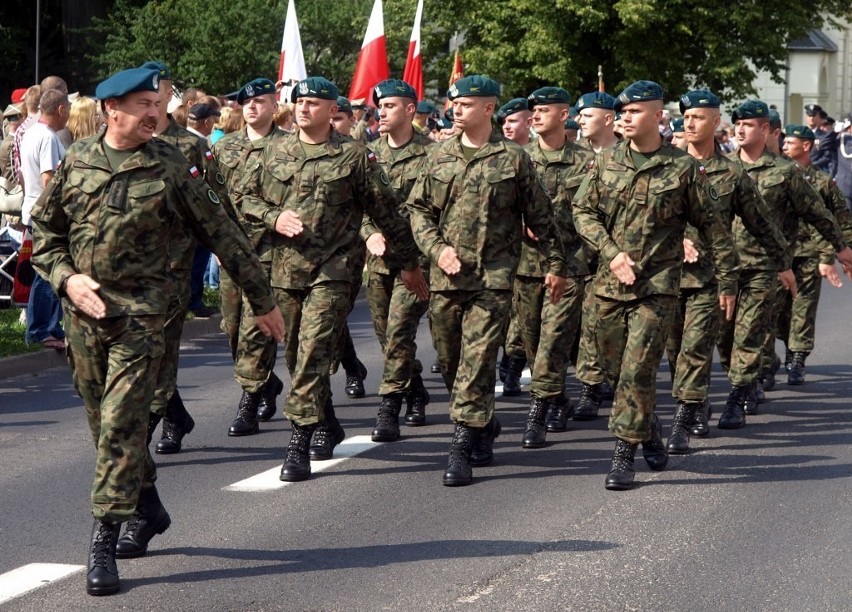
(33, 363)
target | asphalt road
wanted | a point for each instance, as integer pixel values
(754, 519)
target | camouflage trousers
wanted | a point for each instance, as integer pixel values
(253, 353)
(630, 338)
(796, 325)
(514, 344)
(547, 330)
(396, 314)
(345, 354)
(468, 329)
(741, 340)
(167, 378)
(114, 365)
(692, 340)
(313, 321)
(589, 369)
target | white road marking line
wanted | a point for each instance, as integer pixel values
(33, 576)
(526, 379)
(268, 480)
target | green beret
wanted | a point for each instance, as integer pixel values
(473, 86)
(255, 88)
(511, 107)
(445, 123)
(751, 109)
(640, 91)
(596, 99)
(160, 67)
(315, 87)
(570, 124)
(677, 126)
(128, 81)
(699, 98)
(549, 95)
(343, 105)
(799, 131)
(425, 107)
(394, 88)
(774, 118)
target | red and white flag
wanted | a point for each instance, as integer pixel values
(413, 73)
(372, 66)
(457, 73)
(292, 65)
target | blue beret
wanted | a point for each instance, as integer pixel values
(473, 86)
(445, 123)
(774, 118)
(549, 95)
(699, 98)
(343, 105)
(570, 124)
(677, 126)
(128, 81)
(751, 109)
(511, 107)
(394, 88)
(596, 99)
(425, 107)
(315, 87)
(255, 88)
(160, 67)
(640, 91)
(799, 131)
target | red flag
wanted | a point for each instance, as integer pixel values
(413, 73)
(458, 73)
(372, 66)
(292, 65)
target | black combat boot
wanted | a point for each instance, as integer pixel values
(788, 359)
(796, 372)
(759, 395)
(560, 411)
(503, 368)
(734, 416)
(149, 519)
(266, 408)
(769, 375)
(536, 432)
(459, 472)
(355, 381)
(297, 462)
(416, 400)
(387, 421)
(751, 402)
(512, 386)
(607, 392)
(153, 420)
(246, 422)
(654, 449)
(620, 477)
(176, 424)
(328, 434)
(589, 403)
(701, 423)
(435, 368)
(102, 572)
(483, 447)
(678, 443)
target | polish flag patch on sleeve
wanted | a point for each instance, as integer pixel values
(208, 155)
(371, 156)
(194, 172)
(702, 170)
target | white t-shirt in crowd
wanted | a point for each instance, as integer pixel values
(41, 151)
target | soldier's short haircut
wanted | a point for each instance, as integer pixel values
(51, 100)
(54, 82)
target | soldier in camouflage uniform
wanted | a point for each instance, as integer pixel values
(106, 231)
(467, 211)
(253, 353)
(308, 202)
(813, 258)
(168, 404)
(693, 336)
(548, 329)
(789, 198)
(633, 209)
(597, 119)
(515, 119)
(396, 311)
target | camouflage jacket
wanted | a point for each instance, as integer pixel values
(126, 229)
(746, 212)
(331, 191)
(403, 167)
(235, 154)
(561, 179)
(479, 207)
(790, 197)
(644, 214)
(809, 242)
